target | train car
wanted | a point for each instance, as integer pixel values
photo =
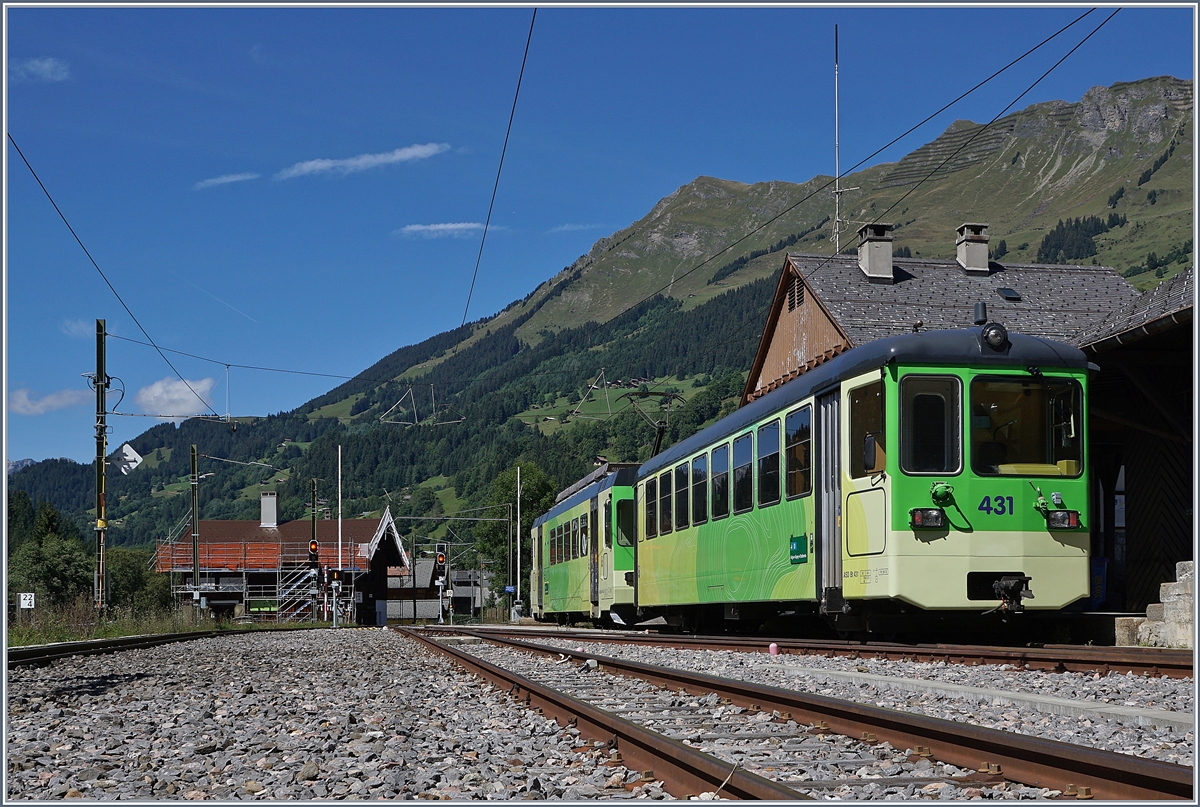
(583, 551)
(924, 474)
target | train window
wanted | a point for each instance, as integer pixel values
(768, 464)
(866, 430)
(720, 482)
(626, 522)
(798, 428)
(681, 496)
(651, 491)
(700, 489)
(1027, 425)
(608, 524)
(929, 425)
(743, 473)
(554, 546)
(664, 503)
(585, 534)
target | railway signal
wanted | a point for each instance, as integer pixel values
(313, 553)
(440, 556)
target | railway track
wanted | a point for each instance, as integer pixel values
(47, 653)
(1150, 661)
(981, 755)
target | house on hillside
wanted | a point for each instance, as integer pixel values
(825, 305)
(261, 569)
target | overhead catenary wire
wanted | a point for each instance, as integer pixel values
(230, 364)
(103, 276)
(496, 186)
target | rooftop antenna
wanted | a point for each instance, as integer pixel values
(838, 190)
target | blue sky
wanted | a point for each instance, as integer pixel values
(305, 188)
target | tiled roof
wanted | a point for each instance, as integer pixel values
(290, 533)
(1057, 301)
(1167, 298)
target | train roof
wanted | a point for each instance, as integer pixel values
(962, 346)
(610, 476)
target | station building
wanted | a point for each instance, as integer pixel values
(260, 570)
(1141, 413)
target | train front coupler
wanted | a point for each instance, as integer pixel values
(1013, 590)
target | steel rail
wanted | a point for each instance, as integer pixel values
(683, 770)
(1032, 761)
(1153, 661)
(31, 655)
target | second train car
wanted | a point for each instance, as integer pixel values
(583, 551)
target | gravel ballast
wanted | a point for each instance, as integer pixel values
(1166, 694)
(359, 714)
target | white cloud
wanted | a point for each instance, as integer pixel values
(224, 180)
(20, 402)
(363, 162)
(459, 229)
(48, 69)
(574, 228)
(77, 327)
(170, 399)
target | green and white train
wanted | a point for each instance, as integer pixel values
(922, 475)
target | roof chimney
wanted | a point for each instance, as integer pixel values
(972, 245)
(875, 252)
(269, 517)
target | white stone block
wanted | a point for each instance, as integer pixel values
(1150, 634)
(1178, 635)
(1170, 592)
(1126, 630)
(1154, 612)
(1178, 611)
(1184, 570)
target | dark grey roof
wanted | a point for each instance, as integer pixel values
(1167, 298)
(1057, 301)
(946, 347)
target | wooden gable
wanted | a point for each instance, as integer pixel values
(799, 335)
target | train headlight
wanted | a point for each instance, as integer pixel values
(995, 336)
(1062, 519)
(927, 518)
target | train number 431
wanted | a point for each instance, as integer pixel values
(997, 505)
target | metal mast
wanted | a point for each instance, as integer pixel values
(838, 190)
(195, 480)
(100, 382)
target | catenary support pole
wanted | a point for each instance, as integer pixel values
(316, 571)
(518, 577)
(195, 478)
(99, 589)
(340, 565)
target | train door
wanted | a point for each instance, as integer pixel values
(536, 582)
(593, 549)
(829, 503)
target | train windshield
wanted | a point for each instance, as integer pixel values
(1026, 426)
